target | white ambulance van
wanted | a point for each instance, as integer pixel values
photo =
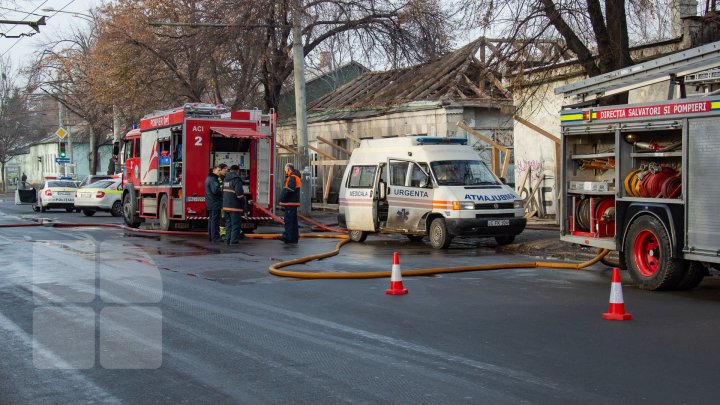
(420, 186)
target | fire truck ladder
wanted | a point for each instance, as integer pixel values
(674, 67)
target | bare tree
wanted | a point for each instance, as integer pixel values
(597, 33)
(224, 51)
(70, 71)
(15, 128)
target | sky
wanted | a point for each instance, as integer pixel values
(20, 50)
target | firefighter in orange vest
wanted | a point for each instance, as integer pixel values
(290, 201)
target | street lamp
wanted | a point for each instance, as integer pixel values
(83, 16)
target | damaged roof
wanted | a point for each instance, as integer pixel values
(456, 77)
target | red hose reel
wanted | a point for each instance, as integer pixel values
(593, 217)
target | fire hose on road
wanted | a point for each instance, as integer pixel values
(275, 268)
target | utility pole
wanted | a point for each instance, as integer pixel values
(301, 111)
(117, 138)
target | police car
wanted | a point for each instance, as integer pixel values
(103, 195)
(56, 194)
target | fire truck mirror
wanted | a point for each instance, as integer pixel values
(116, 148)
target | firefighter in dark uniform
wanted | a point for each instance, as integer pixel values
(290, 201)
(233, 204)
(213, 204)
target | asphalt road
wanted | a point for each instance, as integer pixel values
(98, 315)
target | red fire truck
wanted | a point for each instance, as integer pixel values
(642, 178)
(167, 159)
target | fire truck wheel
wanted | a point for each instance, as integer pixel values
(358, 236)
(89, 213)
(647, 254)
(505, 240)
(695, 273)
(130, 211)
(116, 209)
(164, 213)
(439, 236)
(69, 209)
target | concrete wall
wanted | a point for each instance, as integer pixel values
(425, 119)
(421, 118)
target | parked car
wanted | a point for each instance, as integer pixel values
(56, 194)
(92, 178)
(103, 195)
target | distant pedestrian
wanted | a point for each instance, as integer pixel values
(213, 203)
(290, 201)
(233, 204)
(23, 178)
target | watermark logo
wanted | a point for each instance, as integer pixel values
(95, 305)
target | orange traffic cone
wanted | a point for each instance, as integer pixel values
(396, 285)
(616, 312)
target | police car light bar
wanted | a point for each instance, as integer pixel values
(438, 140)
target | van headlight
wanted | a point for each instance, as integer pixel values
(463, 205)
(518, 204)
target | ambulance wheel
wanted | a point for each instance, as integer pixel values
(69, 209)
(358, 236)
(505, 240)
(415, 238)
(439, 236)
(164, 213)
(647, 254)
(130, 211)
(89, 213)
(116, 209)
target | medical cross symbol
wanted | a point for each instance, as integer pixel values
(403, 214)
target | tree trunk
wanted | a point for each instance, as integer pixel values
(619, 44)
(93, 155)
(2, 176)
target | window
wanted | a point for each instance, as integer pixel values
(128, 151)
(66, 184)
(343, 143)
(418, 174)
(462, 173)
(362, 177)
(136, 149)
(398, 172)
(101, 184)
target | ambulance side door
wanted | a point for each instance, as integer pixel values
(359, 201)
(409, 196)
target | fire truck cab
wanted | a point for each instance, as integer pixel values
(167, 159)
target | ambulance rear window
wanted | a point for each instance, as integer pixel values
(362, 176)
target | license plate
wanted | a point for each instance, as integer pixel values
(499, 222)
(85, 195)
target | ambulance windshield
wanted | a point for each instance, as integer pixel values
(462, 173)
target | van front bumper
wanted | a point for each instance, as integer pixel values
(483, 227)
